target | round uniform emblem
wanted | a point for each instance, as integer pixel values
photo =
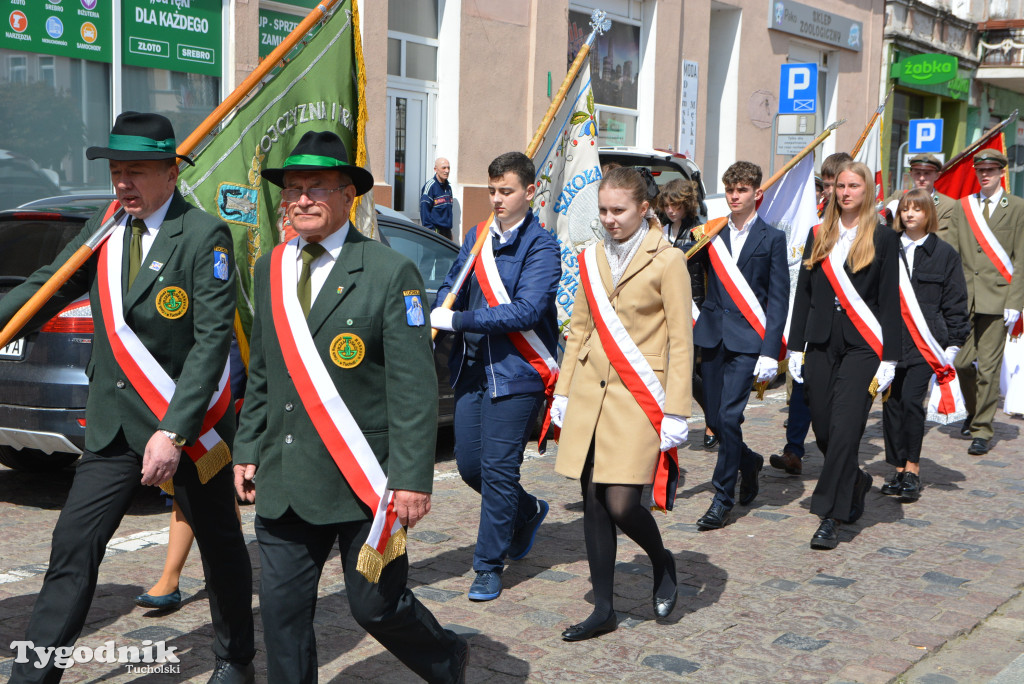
(347, 350)
(172, 302)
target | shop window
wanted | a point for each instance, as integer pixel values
(185, 99)
(904, 108)
(614, 72)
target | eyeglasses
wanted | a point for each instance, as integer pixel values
(315, 194)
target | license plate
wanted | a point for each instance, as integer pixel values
(14, 350)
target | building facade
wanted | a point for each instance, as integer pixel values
(463, 79)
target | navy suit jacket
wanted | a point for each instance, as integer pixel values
(762, 262)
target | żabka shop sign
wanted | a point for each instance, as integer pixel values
(178, 35)
(927, 69)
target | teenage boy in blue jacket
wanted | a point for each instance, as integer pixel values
(498, 393)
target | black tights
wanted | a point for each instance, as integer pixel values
(606, 506)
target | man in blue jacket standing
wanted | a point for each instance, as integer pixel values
(502, 364)
(436, 200)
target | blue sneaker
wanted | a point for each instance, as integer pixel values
(486, 586)
(522, 540)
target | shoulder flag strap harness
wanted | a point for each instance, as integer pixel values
(527, 342)
(865, 322)
(986, 239)
(156, 388)
(739, 289)
(633, 369)
(951, 399)
(330, 416)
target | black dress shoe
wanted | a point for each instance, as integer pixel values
(581, 632)
(827, 535)
(893, 485)
(978, 447)
(749, 485)
(710, 441)
(860, 492)
(965, 427)
(663, 605)
(227, 672)
(787, 461)
(911, 489)
(461, 660)
(715, 517)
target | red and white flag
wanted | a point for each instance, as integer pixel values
(871, 154)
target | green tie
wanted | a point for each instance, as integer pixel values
(310, 252)
(985, 210)
(135, 249)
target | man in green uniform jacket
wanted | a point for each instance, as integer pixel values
(176, 280)
(994, 302)
(366, 342)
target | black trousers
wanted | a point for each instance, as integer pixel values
(100, 495)
(292, 555)
(903, 414)
(727, 381)
(837, 375)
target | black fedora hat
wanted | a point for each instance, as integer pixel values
(321, 151)
(138, 136)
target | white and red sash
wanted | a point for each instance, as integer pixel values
(331, 417)
(632, 368)
(986, 239)
(156, 388)
(527, 342)
(951, 399)
(857, 309)
(739, 290)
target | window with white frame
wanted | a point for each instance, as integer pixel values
(412, 39)
(614, 66)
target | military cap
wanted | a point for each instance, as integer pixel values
(926, 159)
(994, 156)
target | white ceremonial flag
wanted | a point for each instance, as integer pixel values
(568, 173)
(791, 205)
(871, 154)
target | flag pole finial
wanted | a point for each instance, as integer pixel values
(599, 22)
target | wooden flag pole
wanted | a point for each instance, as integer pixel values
(598, 25)
(714, 226)
(82, 254)
(871, 122)
(970, 149)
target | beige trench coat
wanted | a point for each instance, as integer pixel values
(653, 302)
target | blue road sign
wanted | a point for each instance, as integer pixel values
(798, 89)
(925, 136)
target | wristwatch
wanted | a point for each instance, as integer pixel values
(176, 439)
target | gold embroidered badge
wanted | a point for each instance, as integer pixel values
(347, 350)
(172, 302)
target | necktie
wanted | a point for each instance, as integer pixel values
(310, 252)
(985, 210)
(135, 250)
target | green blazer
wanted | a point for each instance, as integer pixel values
(192, 348)
(391, 392)
(987, 291)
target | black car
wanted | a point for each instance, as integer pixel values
(43, 386)
(21, 179)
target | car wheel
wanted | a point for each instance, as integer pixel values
(35, 461)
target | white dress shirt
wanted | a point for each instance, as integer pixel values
(737, 236)
(908, 248)
(507, 236)
(153, 223)
(993, 200)
(321, 267)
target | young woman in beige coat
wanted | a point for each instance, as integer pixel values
(607, 439)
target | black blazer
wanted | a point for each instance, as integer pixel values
(762, 262)
(878, 285)
(938, 282)
(684, 241)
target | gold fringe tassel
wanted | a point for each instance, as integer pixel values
(371, 563)
(208, 465)
(873, 390)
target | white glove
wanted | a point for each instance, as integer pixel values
(674, 431)
(795, 360)
(884, 375)
(951, 353)
(441, 318)
(1010, 317)
(558, 404)
(766, 368)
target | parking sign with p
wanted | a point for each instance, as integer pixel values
(798, 89)
(925, 136)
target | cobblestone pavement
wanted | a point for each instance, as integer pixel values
(924, 593)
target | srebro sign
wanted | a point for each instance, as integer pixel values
(178, 35)
(925, 69)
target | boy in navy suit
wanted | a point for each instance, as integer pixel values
(740, 332)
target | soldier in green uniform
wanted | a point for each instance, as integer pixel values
(924, 171)
(988, 232)
(342, 391)
(174, 288)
